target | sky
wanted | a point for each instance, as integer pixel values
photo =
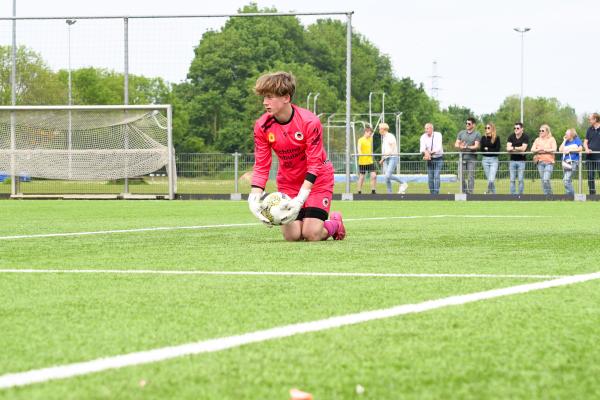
(478, 53)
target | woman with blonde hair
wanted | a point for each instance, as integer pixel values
(570, 147)
(490, 146)
(544, 148)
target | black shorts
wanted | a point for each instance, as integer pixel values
(363, 169)
(312, 212)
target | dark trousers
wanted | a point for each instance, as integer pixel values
(593, 166)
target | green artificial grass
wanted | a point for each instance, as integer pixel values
(536, 345)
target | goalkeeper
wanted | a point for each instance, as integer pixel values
(305, 174)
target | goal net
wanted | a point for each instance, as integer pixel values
(86, 143)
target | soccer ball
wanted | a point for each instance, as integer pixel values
(271, 209)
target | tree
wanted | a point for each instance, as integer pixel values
(538, 111)
(100, 86)
(36, 83)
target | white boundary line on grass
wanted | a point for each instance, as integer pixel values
(270, 273)
(214, 345)
(172, 228)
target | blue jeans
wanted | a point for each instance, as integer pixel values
(434, 167)
(490, 167)
(545, 170)
(389, 167)
(517, 168)
(567, 177)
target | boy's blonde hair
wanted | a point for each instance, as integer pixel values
(384, 126)
(277, 83)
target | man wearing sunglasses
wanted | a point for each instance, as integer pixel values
(516, 146)
(468, 142)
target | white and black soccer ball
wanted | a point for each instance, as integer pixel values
(271, 207)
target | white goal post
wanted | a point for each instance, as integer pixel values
(87, 144)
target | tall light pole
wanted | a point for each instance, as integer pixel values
(69, 133)
(522, 32)
(69, 23)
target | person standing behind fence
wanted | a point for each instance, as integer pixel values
(490, 146)
(365, 159)
(516, 145)
(544, 148)
(592, 144)
(432, 149)
(570, 147)
(389, 158)
(468, 141)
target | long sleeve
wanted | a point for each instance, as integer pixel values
(262, 158)
(315, 156)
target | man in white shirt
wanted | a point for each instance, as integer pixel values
(389, 158)
(432, 149)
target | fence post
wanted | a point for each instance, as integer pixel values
(236, 195)
(460, 196)
(580, 196)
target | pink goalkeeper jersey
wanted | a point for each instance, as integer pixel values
(298, 145)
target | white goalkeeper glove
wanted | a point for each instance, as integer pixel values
(293, 206)
(256, 207)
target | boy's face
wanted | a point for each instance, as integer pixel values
(274, 104)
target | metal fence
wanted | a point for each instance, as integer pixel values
(231, 173)
(218, 173)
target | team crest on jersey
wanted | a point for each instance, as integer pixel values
(299, 135)
(271, 137)
(325, 202)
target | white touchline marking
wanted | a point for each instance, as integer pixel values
(213, 345)
(270, 273)
(173, 228)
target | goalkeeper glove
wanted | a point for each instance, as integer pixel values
(256, 207)
(293, 206)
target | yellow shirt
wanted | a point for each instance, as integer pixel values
(365, 146)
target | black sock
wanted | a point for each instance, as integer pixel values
(373, 191)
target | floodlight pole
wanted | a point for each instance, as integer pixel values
(522, 31)
(70, 128)
(126, 92)
(13, 99)
(347, 195)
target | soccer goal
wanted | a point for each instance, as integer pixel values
(88, 151)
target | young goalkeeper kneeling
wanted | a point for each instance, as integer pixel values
(296, 136)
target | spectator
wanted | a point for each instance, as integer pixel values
(389, 159)
(516, 145)
(468, 141)
(570, 147)
(432, 150)
(544, 148)
(592, 144)
(490, 146)
(365, 159)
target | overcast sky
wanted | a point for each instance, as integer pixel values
(473, 42)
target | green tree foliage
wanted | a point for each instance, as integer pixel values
(36, 83)
(219, 91)
(538, 111)
(101, 86)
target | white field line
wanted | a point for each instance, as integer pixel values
(214, 345)
(270, 273)
(173, 228)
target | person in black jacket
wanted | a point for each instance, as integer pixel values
(490, 146)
